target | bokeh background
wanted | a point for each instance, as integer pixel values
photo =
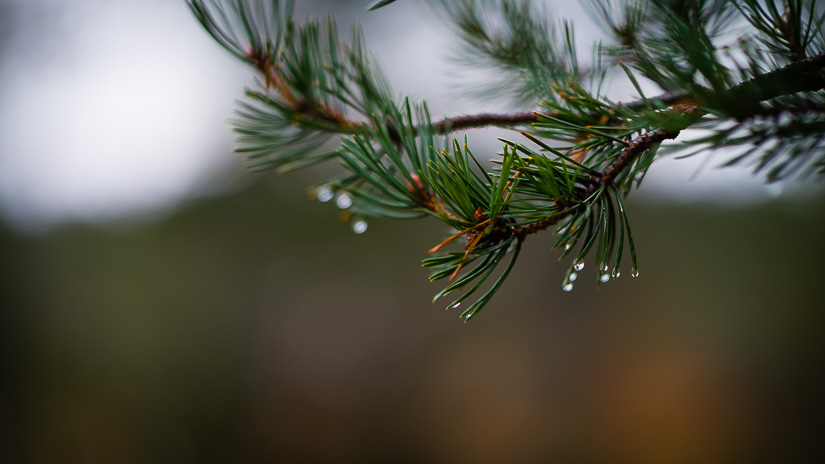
(158, 304)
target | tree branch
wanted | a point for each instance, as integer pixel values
(475, 121)
(761, 88)
(638, 146)
(800, 76)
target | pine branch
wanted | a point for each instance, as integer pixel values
(802, 76)
(807, 75)
(604, 179)
(316, 89)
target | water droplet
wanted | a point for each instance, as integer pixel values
(343, 201)
(324, 194)
(572, 277)
(359, 226)
(568, 286)
(455, 306)
(578, 266)
(616, 273)
(604, 277)
(604, 267)
(634, 273)
(567, 247)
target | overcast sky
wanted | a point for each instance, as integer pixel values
(114, 107)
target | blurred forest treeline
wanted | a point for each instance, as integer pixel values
(255, 327)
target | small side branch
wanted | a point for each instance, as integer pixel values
(801, 76)
(475, 121)
(638, 146)
(635, 149)
(536, 227)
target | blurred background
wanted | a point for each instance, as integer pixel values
(159, 304)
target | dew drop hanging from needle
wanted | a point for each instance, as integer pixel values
(359, 226)
(343, 201)
(324, 194)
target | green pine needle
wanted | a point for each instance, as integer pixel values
(380, 4)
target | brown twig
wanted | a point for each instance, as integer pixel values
(638, 146)
(475, 121)
(275, 80)
(635, 149)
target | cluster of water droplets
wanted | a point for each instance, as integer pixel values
(572, 276)
(605, 274)
(343, 200)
